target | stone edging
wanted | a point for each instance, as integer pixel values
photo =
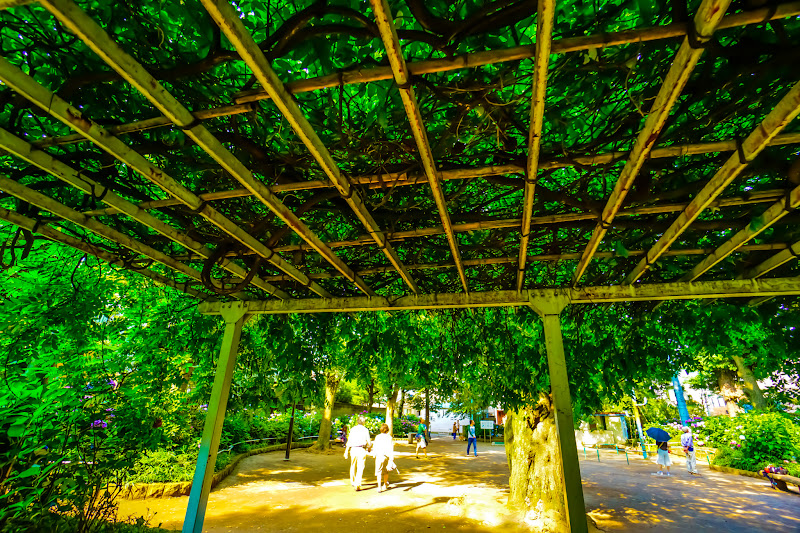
(140, 491)
(729, 470)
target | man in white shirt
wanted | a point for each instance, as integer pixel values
(358, 442)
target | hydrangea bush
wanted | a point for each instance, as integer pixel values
(749, 441)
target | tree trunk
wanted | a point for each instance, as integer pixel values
(331, 386)
(391, 403)
(534, 458)
(370, 395)
(750, 387)
(401, 404)
(730, 391)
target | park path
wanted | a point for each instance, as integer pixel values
(448, 490)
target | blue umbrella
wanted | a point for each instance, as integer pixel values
(658, 434)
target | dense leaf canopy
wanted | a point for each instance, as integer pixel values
(477, 117)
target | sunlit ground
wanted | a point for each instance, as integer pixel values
(451, 491)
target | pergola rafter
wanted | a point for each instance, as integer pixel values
(46, 230)
(787, 109)
(701, 31)
(544, 35)
(72, 117)
(465, 61)
(402, 77)
(774, 213)
(60, 210)
(98, 40)
(224, 15)
(24, 150)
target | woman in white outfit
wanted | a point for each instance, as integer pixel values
(663, 459)
(383, 450)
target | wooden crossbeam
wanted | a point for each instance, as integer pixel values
(491, 57)
(402, 179)
(101, 43)
(402, 77)
(53, 234)
(477, 59)
(779, 259)
(72, 117)
(365, 240)
(8, 4)
(774, 213)
(62, 211)
(703, 26)
(544, 34)
(786, 110)
(531, 258)
(26, 152)
(583, 295)
(231, 25)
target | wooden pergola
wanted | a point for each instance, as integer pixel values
(196, 240)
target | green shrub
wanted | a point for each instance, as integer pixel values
(754, 440)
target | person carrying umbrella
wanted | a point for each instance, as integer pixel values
(662, 443)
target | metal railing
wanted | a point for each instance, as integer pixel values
(281, 439)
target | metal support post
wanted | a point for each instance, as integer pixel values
(291, 434)
(550, 310)
(235, 316)
(639, 425)
(682, 410)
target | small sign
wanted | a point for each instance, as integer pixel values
(487, 424)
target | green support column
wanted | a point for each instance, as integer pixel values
(550, 310)
(235, 316)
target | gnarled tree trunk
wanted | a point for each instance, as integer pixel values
(391, 403)
(751, 388)
(331, 386)
(730, 391)
(534, 462)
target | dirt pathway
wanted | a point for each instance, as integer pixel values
(448, 490)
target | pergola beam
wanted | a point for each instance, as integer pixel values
(774, 213)
(55, 235)
(72, 117)
(402, 77)
(534, 258)
(229, 22)
(403, 179)
(514, 223)
(544, 34)
(786, 110)
(583, 295)
(44, 161)
(491, 57)
(702, 28)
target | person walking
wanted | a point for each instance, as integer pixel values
(687, 441)
(472, 438)
(383, 450)
(455, 429)
(357, 446)
(422, 440)
(663, 459)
